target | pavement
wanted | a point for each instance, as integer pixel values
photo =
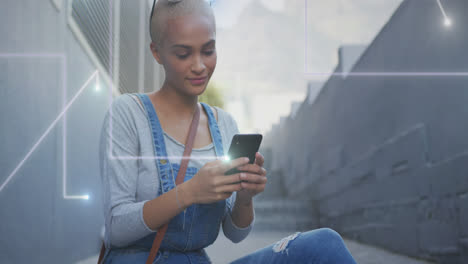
(224, 251)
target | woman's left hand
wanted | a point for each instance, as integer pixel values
(253, 180)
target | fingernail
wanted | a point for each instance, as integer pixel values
(246, 159)
(242, 175)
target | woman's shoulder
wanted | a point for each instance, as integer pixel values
(124, 104)
(225, 119)
(124, 111)
(221, 114)
(126, 100)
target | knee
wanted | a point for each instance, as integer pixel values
(327, 245)
(327, 237)
(329, 234)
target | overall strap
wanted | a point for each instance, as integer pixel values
(162, 160)
(180, 179)
(214, 130)
(158, 136)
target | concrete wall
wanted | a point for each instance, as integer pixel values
(385, 157)
(37, 224)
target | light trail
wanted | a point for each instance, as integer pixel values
(392, 74)
(85, 85)
(32, 55)
(447, 21)
(51, 126)
(165, 158)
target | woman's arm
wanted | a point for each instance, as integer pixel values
(163, 208)
(127, 219)
(237, 230)
(242, 213)
(119, 139)
(240, 221)
(207, 186)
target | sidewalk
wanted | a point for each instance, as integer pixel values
(224, 251)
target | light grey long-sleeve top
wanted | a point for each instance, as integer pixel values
(129, 174)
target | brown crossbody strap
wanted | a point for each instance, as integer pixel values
(180, 179)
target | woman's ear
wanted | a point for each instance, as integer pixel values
(155, 51)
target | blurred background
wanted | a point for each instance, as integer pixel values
(362, 104)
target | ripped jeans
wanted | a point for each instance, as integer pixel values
(320, 246)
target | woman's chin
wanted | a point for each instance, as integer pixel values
(196, 90)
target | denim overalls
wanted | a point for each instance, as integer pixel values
(190, 231)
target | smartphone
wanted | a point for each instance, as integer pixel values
(243, 145)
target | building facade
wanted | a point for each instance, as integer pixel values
(382, 153)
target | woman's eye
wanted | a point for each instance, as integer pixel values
(184, 56)
(209, 52)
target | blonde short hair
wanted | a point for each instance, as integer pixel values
(167, 9)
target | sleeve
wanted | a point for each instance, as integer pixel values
(124, 222)
(230, 230)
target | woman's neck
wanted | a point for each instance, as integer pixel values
(174, 103)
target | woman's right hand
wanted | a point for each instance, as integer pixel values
(210, 184)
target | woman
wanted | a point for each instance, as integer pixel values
(143, 139)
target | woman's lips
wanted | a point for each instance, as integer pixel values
(197, 81)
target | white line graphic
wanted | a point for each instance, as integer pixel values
(52, 125)
(166, 158)
(94, 75)
(393, 74)
(447, 21)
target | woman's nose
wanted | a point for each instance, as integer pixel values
(198, 66)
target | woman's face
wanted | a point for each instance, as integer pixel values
(188, 53)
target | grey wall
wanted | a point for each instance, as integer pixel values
(385, 158)
(36, 222)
